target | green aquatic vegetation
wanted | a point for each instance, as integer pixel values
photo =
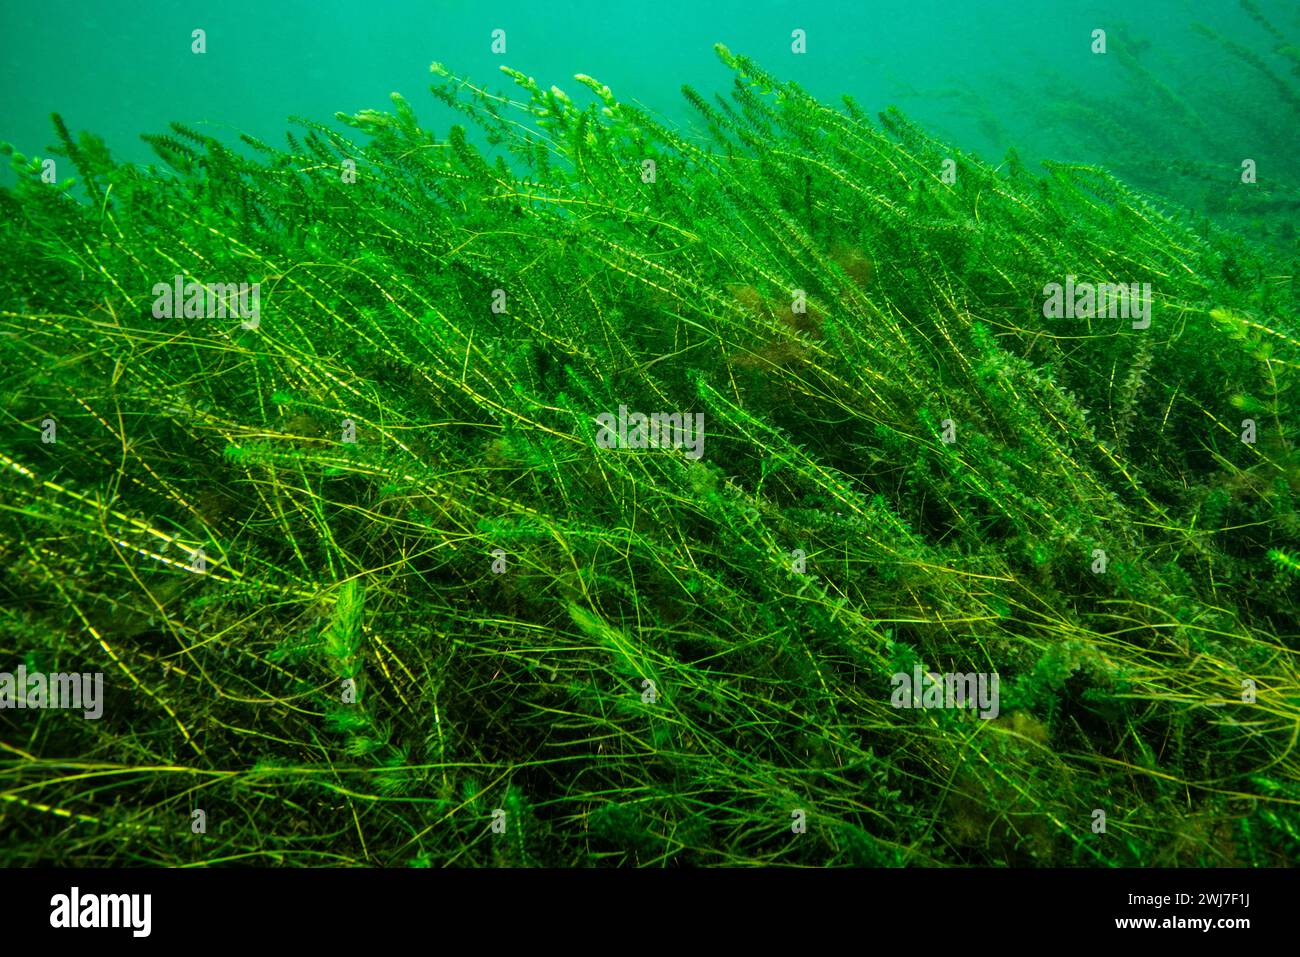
(368, 587)
(1222, 148)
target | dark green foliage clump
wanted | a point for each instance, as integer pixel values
(475, 615)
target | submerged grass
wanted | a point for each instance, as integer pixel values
(1187, 145)
(307, 639)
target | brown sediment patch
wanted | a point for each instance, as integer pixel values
(855, 262)
(776, 349)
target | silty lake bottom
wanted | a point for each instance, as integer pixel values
(674, 463)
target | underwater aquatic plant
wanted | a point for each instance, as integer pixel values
(367, 589)
(1222, 147)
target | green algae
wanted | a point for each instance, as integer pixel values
(571, 654)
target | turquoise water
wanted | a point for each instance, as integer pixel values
(988, 75)
(445, 472)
